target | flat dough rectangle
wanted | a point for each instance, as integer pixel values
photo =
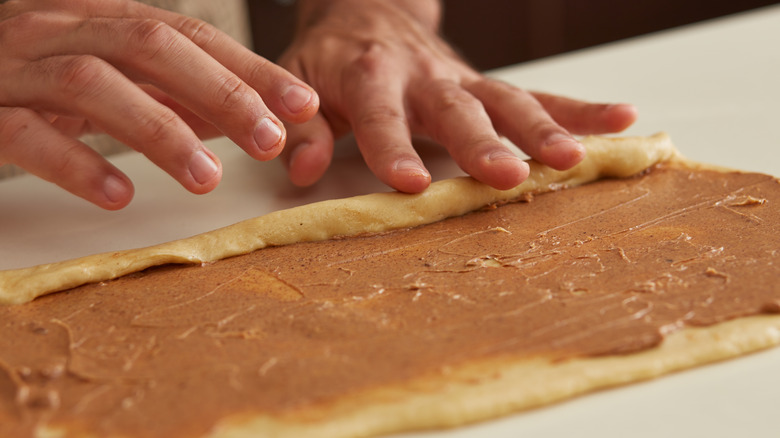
(105, 351)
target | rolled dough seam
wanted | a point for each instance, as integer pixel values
(606, 157)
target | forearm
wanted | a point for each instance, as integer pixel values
(426, 12)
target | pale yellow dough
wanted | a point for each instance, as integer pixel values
(474, 392)
(606, 157)
(487, 390)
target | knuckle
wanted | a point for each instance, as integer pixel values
(83, 74)
(481, 142)
(544, 128)
(372, 58)
(449, 96)
(231, 92)
(67, 160)
(150, 38)
(14, 124)
(155, 128)
(257, 69)
(197, 31)
(382, 115)
(500, 92)
(503, 87)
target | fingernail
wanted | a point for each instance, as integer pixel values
(296, 98)
(202, 167)
(555, 139)
(611, 106)
(411, 166)
(114, 188)
(267, 134)
(502, 155)
(565, 142)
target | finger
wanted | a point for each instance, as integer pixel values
(201, 128)
(587, 118)
(29, 141)
(521, 118)
(73, 127)
(89, 87)
(309, 151)
(374, 106)
(454, 118)
(149, 50)
(287, 96)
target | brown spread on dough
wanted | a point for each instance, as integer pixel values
(606, 268)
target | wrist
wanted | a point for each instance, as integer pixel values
(426, 12)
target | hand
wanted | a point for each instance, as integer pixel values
(150, 78)
(382, 71)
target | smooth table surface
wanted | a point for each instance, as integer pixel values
(713, 87)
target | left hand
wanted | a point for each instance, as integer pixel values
(152, 79)
(382, 71)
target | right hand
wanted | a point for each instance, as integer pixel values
(383, 71)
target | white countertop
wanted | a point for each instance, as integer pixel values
(713, 87)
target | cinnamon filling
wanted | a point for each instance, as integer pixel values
(603, 269)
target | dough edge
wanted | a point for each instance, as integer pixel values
(467, 394)
(378, 212)
(492, 389)
(478, 391)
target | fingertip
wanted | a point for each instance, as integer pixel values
(561, 151)
(308, 161)
(117, 192)
(620, 116)
(409, 176)
(309, 151)
(269, 137)
(205, 171)
(301, 103)
(505, 170)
